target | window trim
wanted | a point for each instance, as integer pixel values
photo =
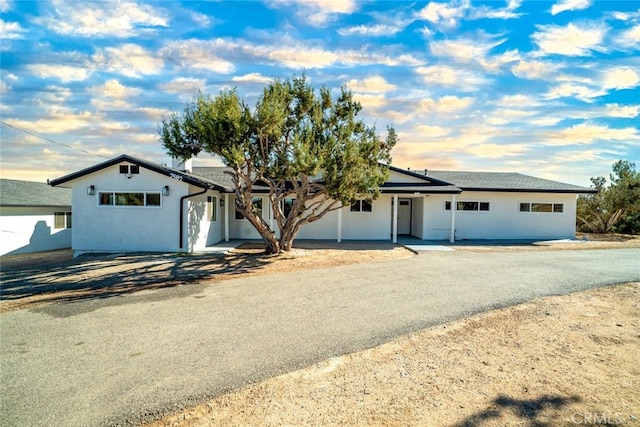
(360, 206)
(114, 205)
(447, 206)
(531, 211)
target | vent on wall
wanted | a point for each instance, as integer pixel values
(130, 169)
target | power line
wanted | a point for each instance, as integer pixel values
(51, 140)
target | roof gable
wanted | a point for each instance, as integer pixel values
(186, 177)
(29, 193)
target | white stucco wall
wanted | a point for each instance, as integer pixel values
(504, 220)
(126, 228)
(32, 229)
(202, 231)
(374, 225)
(417, 216)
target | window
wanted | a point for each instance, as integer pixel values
(287, 205)
(62, 219)
(212, 202)
(361, 206)
(469, 206)
(257, 206)
(151, 199)
(535, 207)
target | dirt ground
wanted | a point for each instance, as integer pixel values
(556, 361)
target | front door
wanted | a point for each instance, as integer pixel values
(404, 216)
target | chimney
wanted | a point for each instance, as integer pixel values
(184, 166)
(426, 172)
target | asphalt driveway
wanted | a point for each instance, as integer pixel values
(128, 358)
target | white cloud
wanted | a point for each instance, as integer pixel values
(5, 5)
(630, 37)
(622, 111)
(446, 104)
(197, 54)
(445, 15)
(376, 30)
(620, 78)
(317, 12)
(114, 89)
(103, 19)
(451, 76)
(545, 121)
(568, 90)
(427, 131)
(534, 70)
(56, 121)
(371, 101)
(572, 40)
(252, 78)
(497, 151)
(465, 50)
(507, 12)
(572, 5)
(64, 73)
(588, 133)
(200, 18)
(184, 87)
(11, 30)
(129, 60)
(371, 84)
(517, 101)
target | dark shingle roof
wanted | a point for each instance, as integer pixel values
(504, 181)
(29, 193)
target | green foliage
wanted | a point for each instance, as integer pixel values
(614, 208)
(302, 144)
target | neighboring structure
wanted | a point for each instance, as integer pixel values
(34, 217)
(128, 204)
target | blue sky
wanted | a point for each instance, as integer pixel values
(550, 89)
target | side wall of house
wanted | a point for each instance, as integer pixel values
(99, 228)
(504, 219)
(205, 219)
(32, 229)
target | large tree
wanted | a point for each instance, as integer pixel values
(615, 207)
(312, 152)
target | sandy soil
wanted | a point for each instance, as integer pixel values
(568, 360)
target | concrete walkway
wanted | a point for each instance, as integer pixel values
(129, 358)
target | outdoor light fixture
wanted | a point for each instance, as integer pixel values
(91, 190)
(221, 202)
(165, 190)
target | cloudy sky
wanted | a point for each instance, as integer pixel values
(550, 89)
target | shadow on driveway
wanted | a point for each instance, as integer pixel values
(104, 276)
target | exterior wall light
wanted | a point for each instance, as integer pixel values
(165, 190)
(221, 201)
(91, 190)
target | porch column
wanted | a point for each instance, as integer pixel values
(226, 217)
(452, 236)
(340, 225)
(394, 233)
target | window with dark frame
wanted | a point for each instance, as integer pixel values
(134, 199)
(469, 206)
(545, 207)
(361, 206)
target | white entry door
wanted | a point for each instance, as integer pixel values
(404, 216)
